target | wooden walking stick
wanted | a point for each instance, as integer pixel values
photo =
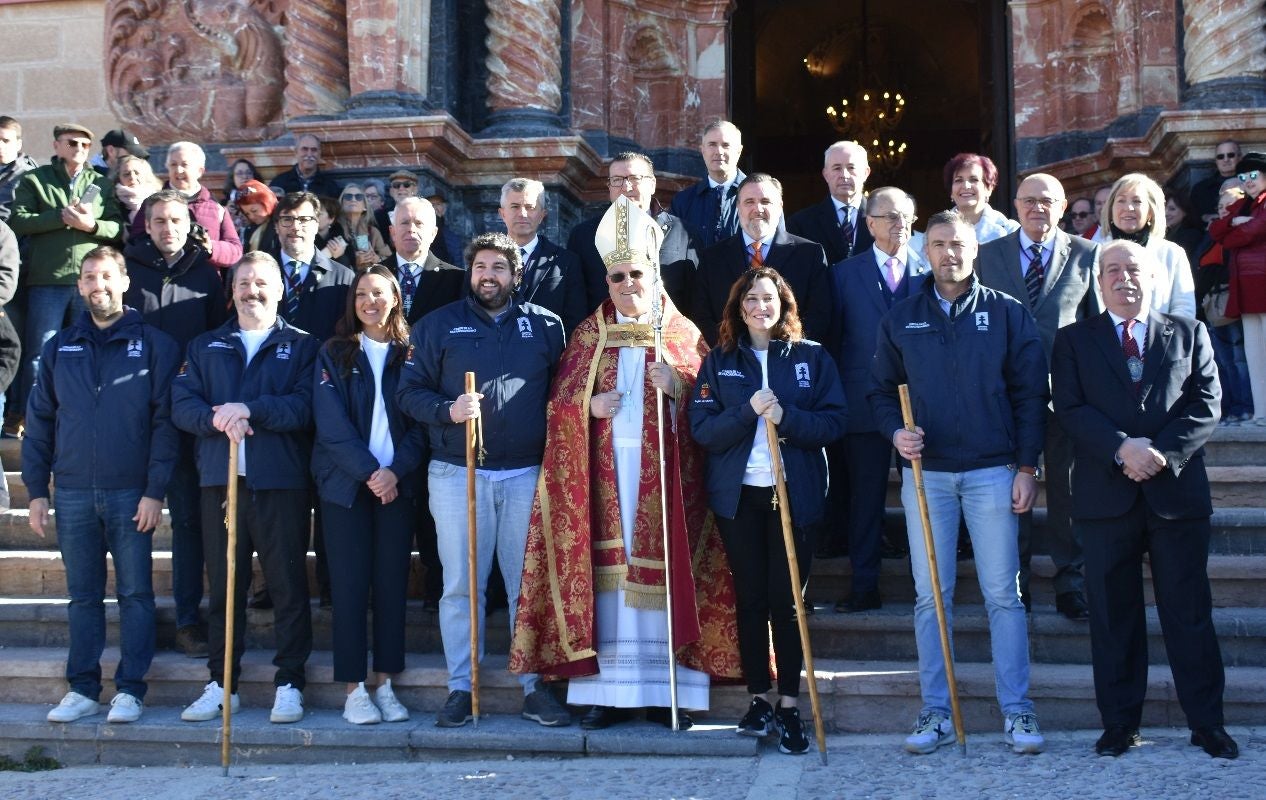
(916, 465)
(793, 564)
(472, 570)
(230, 604)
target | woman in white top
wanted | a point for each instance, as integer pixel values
(970, 179)
(366, 462)
(1135, 210)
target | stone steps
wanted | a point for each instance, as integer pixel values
(856, 696)
(886, 634)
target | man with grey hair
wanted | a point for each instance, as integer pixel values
(186, 164)
(837, 222)
(426, 282)
(305, 175)
(710, 207)
(552, 276)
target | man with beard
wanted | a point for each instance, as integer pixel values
(175, 289)
(99, 419)
(513, 349)
(248, 384)
(305, 175)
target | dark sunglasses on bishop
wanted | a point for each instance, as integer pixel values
(620, 276)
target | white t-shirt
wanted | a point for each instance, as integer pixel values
(760, 465)
(379, 429)
(252, 341)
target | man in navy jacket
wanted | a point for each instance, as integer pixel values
(99, 419)
(973, 361)
(709, 208)
(513, 349)
(248, 385)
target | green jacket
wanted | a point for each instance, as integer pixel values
(55, 249)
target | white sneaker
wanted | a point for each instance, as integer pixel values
(124, 708)
(288, 705)
(930, 732)
(210, 705)
(358, 709)
(1022, 733)
(392, 709)
(72, 707)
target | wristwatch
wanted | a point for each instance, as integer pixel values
(1036, 472)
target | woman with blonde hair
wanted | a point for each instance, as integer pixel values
(134, 180)
(1135, 211)
(365, 245)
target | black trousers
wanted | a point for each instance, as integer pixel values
(762, 585)
(1178, 553)
(427, 544)
(868, 457)
(369, 543)
(273, 523)
(1061, 539)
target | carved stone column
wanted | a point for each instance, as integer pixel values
(316, 59)
(387, 54)
(1225, 45)
(525, 77)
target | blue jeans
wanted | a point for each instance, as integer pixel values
(48, 308)
(1228, 352)
(184, 498)
(502, 512)
(983, 497)
(91, 522)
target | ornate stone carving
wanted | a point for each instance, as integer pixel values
(316, 58)
(1223, 40)
(208, 70)
(524, 55)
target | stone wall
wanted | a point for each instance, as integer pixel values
(51, 69)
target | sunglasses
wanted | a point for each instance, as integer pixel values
(620, 276)
(402, 184)
(1225, 156)
(353, 196)
(1081, 214)
(1245, 177)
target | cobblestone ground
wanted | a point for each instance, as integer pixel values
(860, 767)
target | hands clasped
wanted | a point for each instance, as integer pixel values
(1139, 460)
(765, 403)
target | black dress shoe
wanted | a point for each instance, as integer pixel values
(1215, 741)
(890, 549)
(599, 717)
(860, 601)
(1072, 605)
(1116, 739)
(664, 716)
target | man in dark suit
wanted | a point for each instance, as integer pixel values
(710, 207)
(836, 222)
(863, 288)
(305, 176)
(1051, 273)
(633, 175)
(551, 275)
(426, 282)
(1138, 393)
(761, 242)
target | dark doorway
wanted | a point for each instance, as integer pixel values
(949, 58)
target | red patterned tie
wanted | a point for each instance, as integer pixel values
(1133, 358)
(757, 262)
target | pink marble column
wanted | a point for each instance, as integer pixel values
(1223, 39)
(525, 54)
(387, 55)
(316, 58)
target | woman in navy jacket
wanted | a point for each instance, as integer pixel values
(762, 368)
(365, 464)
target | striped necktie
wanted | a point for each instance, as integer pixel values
(1033, 278)
(292, 291)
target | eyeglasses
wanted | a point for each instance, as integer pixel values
(620, 276)
(353, 196)
(402, 184)
(1039, 202)
(1226, 156)
(1245, 177)
(1081, 214)
(895, 218)
(618, 181)
(290, 222)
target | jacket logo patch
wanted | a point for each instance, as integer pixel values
(184, 369)
(283, 351)
(731, 373)
(982, 320)
(917, 326)
(408, 356)
(802, 374)
(705, 393)
(222, 345)
(525, 327)
(71, 348)
(325, 377)
(461, 329)
(134, 348)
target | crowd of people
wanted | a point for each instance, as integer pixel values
(625, 490)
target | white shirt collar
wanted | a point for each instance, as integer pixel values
(526, 250)
(402, 263)
(1139, 318)
(881, 258)
(1026, 243)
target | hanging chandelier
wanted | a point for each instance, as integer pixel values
(873, 115)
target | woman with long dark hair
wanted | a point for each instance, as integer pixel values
(366, 468)
(762, 369)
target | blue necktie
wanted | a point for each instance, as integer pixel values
(408, 285)
(292, 293)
